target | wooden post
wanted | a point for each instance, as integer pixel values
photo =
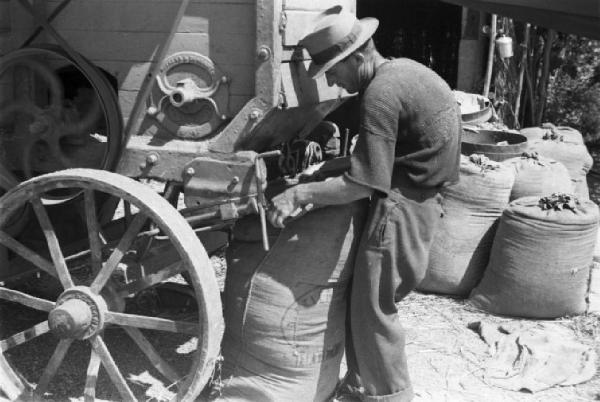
(543, 84)
(522, 70)
(490, 61)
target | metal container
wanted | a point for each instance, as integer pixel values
(474, 108)
(497, 145)
(504, 46)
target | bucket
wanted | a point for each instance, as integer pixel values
(504, 46)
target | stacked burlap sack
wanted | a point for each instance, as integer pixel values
(549, 131)
(538, 176)
(523, 258)
(541, 257)
(461, 248)
(565, 145)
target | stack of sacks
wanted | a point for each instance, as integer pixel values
(567, 147)
(549, 131)
(540, 262)
(538, 176)
(462, 244)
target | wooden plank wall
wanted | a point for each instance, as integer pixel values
(302, 13)
(301, 90)
(123, 36)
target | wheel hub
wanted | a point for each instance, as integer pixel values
(78, 314)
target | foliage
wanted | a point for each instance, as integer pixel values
(561, 81)
(574, 87)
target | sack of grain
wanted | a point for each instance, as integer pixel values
(285, 310)
(540, 261)
(552, 132)
(573, 155)
(462, 244)
(538, 176)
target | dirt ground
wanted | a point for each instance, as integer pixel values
(447, 359)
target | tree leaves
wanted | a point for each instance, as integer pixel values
(559, 202)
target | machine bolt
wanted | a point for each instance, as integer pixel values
(152, 111)
(189, 172)
(264, 53)
(255, 114)
(235, 180)
(151, 159)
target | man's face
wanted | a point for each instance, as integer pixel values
(344, 74)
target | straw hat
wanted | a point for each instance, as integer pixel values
(336, 34)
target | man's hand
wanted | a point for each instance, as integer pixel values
(299, 199)
(283, 206)
(309, 173)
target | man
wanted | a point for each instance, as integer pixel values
(407, 149)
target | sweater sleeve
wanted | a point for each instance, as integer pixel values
(372, 161)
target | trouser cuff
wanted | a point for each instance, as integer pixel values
(405, 395)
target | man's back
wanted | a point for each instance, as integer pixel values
(410, 100)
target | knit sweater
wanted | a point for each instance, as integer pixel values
(410, 130)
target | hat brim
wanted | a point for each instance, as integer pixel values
(368, 27)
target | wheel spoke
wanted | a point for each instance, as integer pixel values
(85, 124)
(127, 210)
(118, 253)
(53, 365)
(111, 368)
(161, 365)
(27, 162)
(156, 323)
(47, 73)
(93, 230)
(26, 253)
(53, 245)
(25, 299)
(24, 336)
(11, 383)
(56, 151)
(9, 110)
(91, 378)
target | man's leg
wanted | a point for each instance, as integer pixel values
(392, 259)
(351, 381)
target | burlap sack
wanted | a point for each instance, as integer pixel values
(462, 244)
(540, 261)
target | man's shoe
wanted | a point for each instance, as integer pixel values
(348, 389)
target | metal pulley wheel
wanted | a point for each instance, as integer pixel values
(185, 107)
(49, 124)
(94, 321)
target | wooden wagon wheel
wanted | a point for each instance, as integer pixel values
(93, 312)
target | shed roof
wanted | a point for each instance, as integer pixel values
(580, 17)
